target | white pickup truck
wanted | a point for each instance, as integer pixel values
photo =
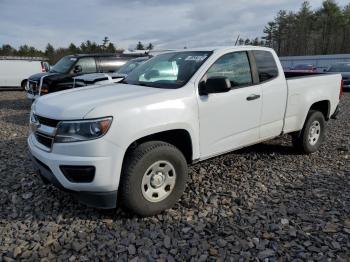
(135, 139)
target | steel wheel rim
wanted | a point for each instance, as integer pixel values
(314, 132)
(158, 181)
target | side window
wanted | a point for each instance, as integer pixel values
(87, 64)
(110, 64)
(235, 66)
(266, 65)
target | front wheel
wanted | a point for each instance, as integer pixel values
(153, 178)
(23, 85)
(310, 138)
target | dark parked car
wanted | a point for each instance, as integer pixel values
(344, 69)
(106, 78)
(61, 75)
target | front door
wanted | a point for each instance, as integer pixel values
(230, 120)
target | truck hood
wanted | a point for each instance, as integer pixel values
(75, 104)
(38, 76)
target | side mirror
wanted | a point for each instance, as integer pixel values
(78, 69)
(215, 85)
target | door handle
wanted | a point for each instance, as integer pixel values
(253, 97)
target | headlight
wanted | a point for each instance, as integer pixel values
(75, 131)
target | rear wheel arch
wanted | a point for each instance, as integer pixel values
(323, 106)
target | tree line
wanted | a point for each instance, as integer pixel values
(54, 54)
(323, 31)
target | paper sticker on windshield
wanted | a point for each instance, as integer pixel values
(73, 59)
(196, 58)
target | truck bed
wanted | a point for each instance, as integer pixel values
(291, 74)
(305, 89)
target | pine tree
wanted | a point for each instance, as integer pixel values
(140, 46)
(150, 46)
(105, 41)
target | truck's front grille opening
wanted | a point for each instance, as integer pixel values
(44, 140)
(47, 121)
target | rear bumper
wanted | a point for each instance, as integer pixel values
(102, 200)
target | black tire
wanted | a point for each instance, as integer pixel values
(23, 84)
(302, 141)
(140, 160)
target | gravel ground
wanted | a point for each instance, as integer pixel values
(265, 202)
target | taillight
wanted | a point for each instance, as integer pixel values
(341, 88)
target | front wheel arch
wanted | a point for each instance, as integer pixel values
(180, 138)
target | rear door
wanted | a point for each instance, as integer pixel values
(274, 93)
(230, 120)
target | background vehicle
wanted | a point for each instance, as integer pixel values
(304, 68)
(135, 141)
(15, 70)
(344, 70)
(108, 78)
(61, 75)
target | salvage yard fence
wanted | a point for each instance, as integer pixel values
(28, 58)
(321, 62)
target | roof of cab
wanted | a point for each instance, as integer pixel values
(221, 48)
(108, 55)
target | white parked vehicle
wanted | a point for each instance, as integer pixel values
(14, 71)
(136, 140)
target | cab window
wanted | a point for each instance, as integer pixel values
(234, 66)
(266, 65)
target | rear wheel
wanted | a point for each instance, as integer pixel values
(153, 178)
(310, 138)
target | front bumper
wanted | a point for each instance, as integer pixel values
(31, 96)
(103, 200)
(103, 155)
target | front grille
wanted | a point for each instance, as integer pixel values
(44, 140)
(42, 137)
(47, 121)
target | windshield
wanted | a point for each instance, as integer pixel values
(170, 70)
(63, 65)
(340, 68)
(129, 66)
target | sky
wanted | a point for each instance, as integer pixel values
(165, 23)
